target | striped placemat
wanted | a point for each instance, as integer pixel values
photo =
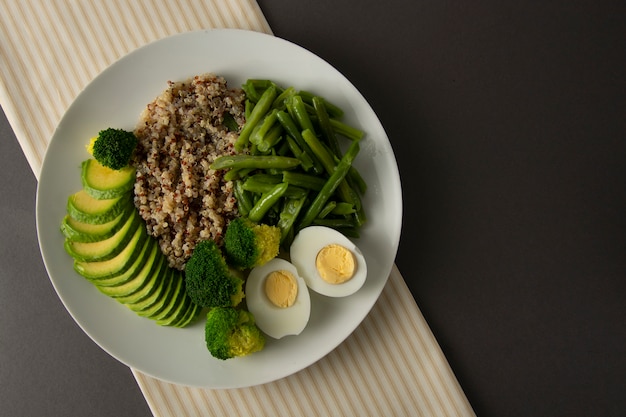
(390, 366)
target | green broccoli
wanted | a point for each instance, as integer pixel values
(209, 280)
(231, 332)
(248, 244)
(113, 148)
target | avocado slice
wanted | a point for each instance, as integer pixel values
(86, 232)
(185, 316)
(107, 248)
(83, 207)
(102, 182)
(157, 297)
(151, 267)
(174, 297)
(123, 267)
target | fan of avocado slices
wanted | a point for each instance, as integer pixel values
(110, 246)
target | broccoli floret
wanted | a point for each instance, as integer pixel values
(209, 280)
(248, 244)
(231, 332)
(113, 148)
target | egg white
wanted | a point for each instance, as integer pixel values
(303, 252)
(274, 321)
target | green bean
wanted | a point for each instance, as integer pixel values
(300, 179)
(346, 130)
(303, 157)
(266, 178)
(272, 139)
(256, 115)
(260, 187)
(254, 161)
(254, 88)
(330, 186)
(244, 200)
(355, 179)
(287, 218)
(251, 93)
(318, 149)
(279, 102)
(330, 206)
(267, 200)
(326, 158)
(249, 105)
(300, 114)
(264, 126)
(333, 110)
(292, 130)
(343, 209)
(324, 122)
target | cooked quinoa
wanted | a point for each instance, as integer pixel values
(180, 133)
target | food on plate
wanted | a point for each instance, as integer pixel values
(279, 298)
(180, 133)
(108, 241)
(223, 194)
(328, 261)
(113, 148)
(102, 182)
(232, 332)
(248, 244)
(211, 282)
(289, 167)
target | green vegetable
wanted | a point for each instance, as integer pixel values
(289, 169)
(324, 121)
(254, 161)
(248, 244)
(267, 200)
(331, 185)
(111, 248)
(256, 115)
(113, 148)
(231, 333)
(287, 218)
(210, 282)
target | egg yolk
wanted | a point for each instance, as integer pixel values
(281, 288)
(335, 264)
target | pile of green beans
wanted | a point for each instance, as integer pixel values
(289, 169)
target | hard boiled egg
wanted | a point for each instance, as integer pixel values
(278, 298)
(328, 261)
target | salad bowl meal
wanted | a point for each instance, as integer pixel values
(219, 209)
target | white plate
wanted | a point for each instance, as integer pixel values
(115, 99)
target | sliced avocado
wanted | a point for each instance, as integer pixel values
(123, 267)
(187, 316)
(102, 182)
(83, 207)
(152, 283)
(107, 248)
(152, 265)
(155, 300)
(174, 297)
(87, 232)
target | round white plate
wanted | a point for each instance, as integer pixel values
(115, 99)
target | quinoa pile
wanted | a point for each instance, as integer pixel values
(180, 133)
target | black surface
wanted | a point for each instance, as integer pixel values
(508, 121)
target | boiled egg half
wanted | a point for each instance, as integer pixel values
(278, 298)
(328, 261)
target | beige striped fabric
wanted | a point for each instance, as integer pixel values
(390, 366)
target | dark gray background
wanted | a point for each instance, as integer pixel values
(508, 119)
